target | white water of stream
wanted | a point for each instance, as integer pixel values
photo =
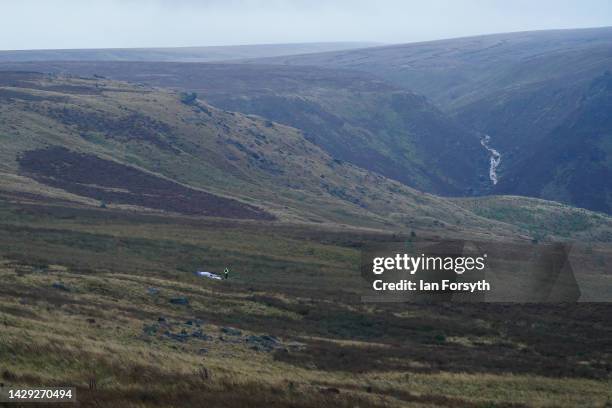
(495, 158)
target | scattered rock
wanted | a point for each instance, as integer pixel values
(179, 301)
(329, 390)
(150, 329)
(203, 351)
(295, 346)
(182, 336)
(189, 98)
(229, 340)
(257, 347)
(61, 286)
(230, 331)
(264, 343)
(199, 334)
(90, 320)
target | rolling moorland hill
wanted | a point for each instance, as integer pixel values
(458, 71)
(122, 145)
(103, 143)
(112, 195)
(353, 116)
(185, 54)
(522, 89)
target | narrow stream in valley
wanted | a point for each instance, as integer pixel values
(495, 158)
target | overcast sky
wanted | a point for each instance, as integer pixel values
(39, 24)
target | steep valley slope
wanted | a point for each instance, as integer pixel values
(103, 143)
(353, 116)
(113, 144)
(522, 89)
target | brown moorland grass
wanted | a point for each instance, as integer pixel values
(76, 308)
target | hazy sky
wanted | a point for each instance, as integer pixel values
(34, 24)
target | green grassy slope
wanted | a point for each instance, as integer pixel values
(105, 125)
(353, 116)
(104, 143)
(359, 119)
(85, 302)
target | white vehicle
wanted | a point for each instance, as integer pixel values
(209, 275)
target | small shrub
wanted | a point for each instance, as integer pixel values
(189, 98)
(440, 338)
